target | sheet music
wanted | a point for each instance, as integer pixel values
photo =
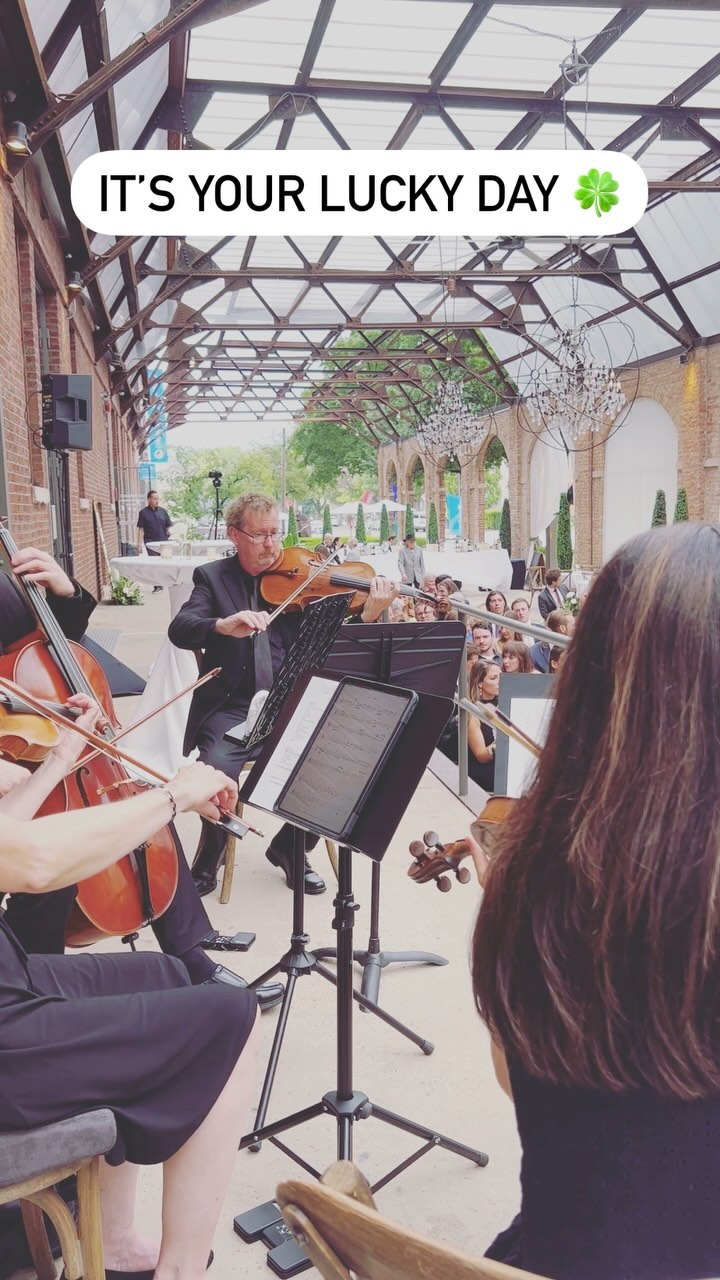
(300, 729)
(343, 757)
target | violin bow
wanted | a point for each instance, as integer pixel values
(105, 748)
(490, 715)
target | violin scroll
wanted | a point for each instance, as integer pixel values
(433, 861)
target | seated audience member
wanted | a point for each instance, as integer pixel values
(396, 610)
(483, 686)
(596, 963)
(173, 1062)
(353, 550)
(516, 659)
(556, 658)
(483, 637)
(472, 653)
(521, 610)
(506, 631)
(428, 583)
(552, 595)
(425, 611)
(562, 621)
(495, 602)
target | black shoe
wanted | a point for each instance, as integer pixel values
(208, 860)
(138, 1275)
(313, 882)
(156, 589)
(270, 994)
(205, 884)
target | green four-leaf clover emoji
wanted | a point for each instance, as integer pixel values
(597, 190)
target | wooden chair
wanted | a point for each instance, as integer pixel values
(230, 849)
(338, 1226)
(33, 1162)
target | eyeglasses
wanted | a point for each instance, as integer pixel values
(272, 536)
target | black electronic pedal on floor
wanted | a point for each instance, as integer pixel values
(286, 1258)
(251, 1225)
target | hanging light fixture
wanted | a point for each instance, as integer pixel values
(75, 282)
(452, 426)
(577, 394)
(16, 139)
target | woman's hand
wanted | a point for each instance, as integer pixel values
(201, 789)
(480, 859)
(70, 746)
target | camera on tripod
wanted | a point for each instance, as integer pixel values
(216, 477)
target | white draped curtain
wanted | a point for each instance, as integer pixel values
(640, 458)
(550, 476)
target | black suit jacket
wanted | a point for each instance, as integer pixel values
(219, 589)
(546, 602)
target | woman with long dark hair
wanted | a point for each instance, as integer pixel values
(596, 954)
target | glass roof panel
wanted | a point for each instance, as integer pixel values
(79, 138)
(484, 128)
(503, 53)
(229, 115)
(137, 95)
(126, 19)
(310, 134)
(652, 57)
(431, 134)
(663, 159)
(71, 70)
(700, 300)
(398, 40)
(266, 43)
(681, 233)
(366, 125)
(44, 16)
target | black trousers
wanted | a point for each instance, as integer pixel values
(38, 920)
(230, 758)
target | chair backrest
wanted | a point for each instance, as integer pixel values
(341, 1235)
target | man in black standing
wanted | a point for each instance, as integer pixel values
(153, 525)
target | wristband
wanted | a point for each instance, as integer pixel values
(167, 792)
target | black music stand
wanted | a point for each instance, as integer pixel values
(377, 822)
(425, 657)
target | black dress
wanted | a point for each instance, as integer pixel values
(614, 1186)
(120, 1031)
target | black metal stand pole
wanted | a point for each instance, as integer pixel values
(374, 959)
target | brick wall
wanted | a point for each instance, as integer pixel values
(31, 259)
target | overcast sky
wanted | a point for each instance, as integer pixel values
(224, 435)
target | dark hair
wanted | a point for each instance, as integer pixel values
(552, 575)
(151, 492)
(554, 657)
(480, 625)
(595, 953)
(473, 651)
(477, 676)
(518, 649)
(495, 593)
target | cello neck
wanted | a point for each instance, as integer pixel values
(46, 620)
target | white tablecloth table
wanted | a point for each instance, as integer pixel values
(485, 569)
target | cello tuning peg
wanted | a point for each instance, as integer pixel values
(431, 839)
(463, 875)
(444, 884)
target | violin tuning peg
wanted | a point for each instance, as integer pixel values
(417, 849)
(432, 839)
(444, 884)
(463, 875)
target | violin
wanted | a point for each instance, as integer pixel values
(141, 885)
(297, 573)
(434, 861)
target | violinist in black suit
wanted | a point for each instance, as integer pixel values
(221, 616)
(39, 920)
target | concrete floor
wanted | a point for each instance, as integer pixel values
(452, 1091)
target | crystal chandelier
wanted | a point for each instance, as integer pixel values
(451, 426)
(578, 393)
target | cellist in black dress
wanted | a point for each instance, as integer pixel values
(174, 1062)
(39, 920)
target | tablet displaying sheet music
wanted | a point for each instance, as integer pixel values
(333, 779)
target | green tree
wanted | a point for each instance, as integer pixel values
(505, 528)
(409, 522)
(433, 535)
(329, 452)
(659, 515)
(360, 533)
(564, 539)
(384, 524)
(681, 507)
(492, 474)
(189, 493)
(292, 531)
(327, 519)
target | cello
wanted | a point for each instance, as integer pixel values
(141, 885)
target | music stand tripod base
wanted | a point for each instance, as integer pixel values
(344, 1104)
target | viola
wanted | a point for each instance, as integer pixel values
(140, 886)
(434, 861)
(297, 573)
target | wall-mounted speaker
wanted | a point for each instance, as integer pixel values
(67, 411)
